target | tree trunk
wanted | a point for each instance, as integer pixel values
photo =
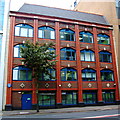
(37, 107)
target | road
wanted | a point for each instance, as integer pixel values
(90, 115)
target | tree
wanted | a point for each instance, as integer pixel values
(39, 59)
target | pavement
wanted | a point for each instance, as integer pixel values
(61, 110)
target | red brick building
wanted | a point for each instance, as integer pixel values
(86, 69)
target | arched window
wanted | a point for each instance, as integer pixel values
(88, 75)
(103, 39)
(86, 37)
(67, 54)
(50, 77)
(67, 34)
(46, 32)
(23, 30)
(105, 56)
(107, 75)
(17, 53)
(87, 55)
(22, 73)
(68, 74)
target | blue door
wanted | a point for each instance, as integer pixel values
(26, 101)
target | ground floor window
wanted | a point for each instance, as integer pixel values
(90, 97)
(108, 96)
(46, 99)
(69, 98)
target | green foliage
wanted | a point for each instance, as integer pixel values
(38, 57)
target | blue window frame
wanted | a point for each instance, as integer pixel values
(87, 55)
(103, 39)
(67, 54)
(107, 75)
(86, 37)
(105, 56)
(50, 77)
(46, 99)
(88, 75)
(22, 73)
(68, 74)
(23, 30)
(90, 97)
(69, 98)
(17, 53)
(108, 96)
(46, 32)
(67, 34)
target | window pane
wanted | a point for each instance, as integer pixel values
(91, 39)
(52, 100)
(62, 37)
(62, 55)
(52, 34)
(88, 75)
(74, 98)
(67, 36)
(22, 75)
(30, 32)
(64, 99)
(63, 75)
(87, 56)
(94, 76)
(105, 58)
(92, 57)
(15, 74)
(69, 98)
(83, 75)
(17, 31)
(69, 75)
(47, 34)
(74, 75)
(47, 100)
(89, 98)
(53, 74)
(82, 56)
(29, 75)
(40, 34)
(16, 52)
(24, 32)
(41, 99)
(68, 55)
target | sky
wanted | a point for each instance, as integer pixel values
(65, 4)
